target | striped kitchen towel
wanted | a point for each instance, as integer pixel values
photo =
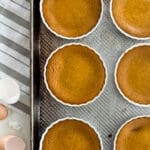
(15, 46)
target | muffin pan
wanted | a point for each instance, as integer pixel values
(108, 112)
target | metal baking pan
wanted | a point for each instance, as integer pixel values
(110, 110)
(35, 74)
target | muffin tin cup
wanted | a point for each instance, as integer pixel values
(71, 38)
(59, 100)
(70, 118)
(121, 30)
(124, 124)
(115, 76)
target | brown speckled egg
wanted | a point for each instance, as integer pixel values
(3, 112)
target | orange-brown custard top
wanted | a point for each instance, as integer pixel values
(133, 16)
(71, 18)
(71, 135)
(133, 74)
(75, 74)
(135, 135)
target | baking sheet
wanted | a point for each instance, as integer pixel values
(110, 110)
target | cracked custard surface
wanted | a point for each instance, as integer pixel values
(75, 74)
(71, 18)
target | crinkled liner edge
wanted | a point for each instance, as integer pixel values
(71, 118)
(59, 100)
(115, 75)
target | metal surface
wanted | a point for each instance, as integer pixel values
(35, 74)
(110, 110)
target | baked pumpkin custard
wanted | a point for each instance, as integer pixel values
(71, 135)
(135, 135)
(71, 18)
(75, 74)
(133, 74)
(132, 16)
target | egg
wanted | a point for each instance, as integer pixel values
(3, 112)
(11, 142)
(9, 91)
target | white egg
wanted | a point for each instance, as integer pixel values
(9, 91)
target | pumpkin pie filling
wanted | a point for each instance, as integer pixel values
(71, 135)
(132, 16)
(135, 135)
(71, 18)
(133, 74)
(75, 74)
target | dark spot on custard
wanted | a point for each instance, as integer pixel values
(137, 129)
